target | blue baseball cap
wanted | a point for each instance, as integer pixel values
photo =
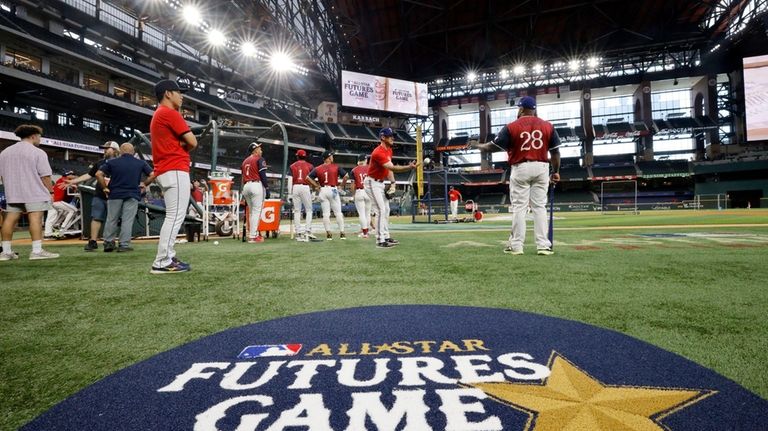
(386, 132)
(527, 102)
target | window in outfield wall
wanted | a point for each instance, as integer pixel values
(676, 143)
(468, 123)
(146, 100)
(92, 123)
(118, 18)
(20, 58)
(64, 74)
(612, 148)
(619, 107)
(95, 83)
(39, 114)
(87, 6)
(124, 92)
(671, 102)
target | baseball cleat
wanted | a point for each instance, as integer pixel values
(545, 252)
(329, 236)
(385, 245)
(42, 254)
(509, 250)
(342, 236)
(392, 241)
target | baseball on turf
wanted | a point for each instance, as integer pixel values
(215, 243)
(427, 160)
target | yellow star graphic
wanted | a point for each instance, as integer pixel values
(570, 399)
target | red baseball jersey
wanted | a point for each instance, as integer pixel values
(380, 155)
(251, 167)
(528, 138)
(299, 171)
(454, 195)
(328, 174)
(166, 129)
(58, 193)
(360, 172)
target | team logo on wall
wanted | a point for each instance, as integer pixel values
(412, 368)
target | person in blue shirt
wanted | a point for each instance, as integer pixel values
(123, 195)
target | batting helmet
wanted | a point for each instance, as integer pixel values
(253, 146)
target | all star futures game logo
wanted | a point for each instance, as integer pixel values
(400, 384)
(412, 368)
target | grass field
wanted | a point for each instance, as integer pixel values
(69, 322)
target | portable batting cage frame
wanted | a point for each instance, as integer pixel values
(619, 208)
(427, 198)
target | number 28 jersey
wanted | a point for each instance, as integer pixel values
(528, 138)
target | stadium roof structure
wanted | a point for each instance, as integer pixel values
(437, 41)
(500, 44)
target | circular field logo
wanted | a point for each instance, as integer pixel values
(412, 368)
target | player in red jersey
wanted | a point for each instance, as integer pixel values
(255, 189)
(380, 170)
(528, 142)
(362, 200)
(172, 140)
(454, 196)
(301, 195)
(63, 211)
(326, 177)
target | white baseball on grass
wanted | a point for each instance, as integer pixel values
(427, 160)
(215, 243)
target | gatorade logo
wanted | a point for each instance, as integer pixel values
(412, 368)
(268, 214)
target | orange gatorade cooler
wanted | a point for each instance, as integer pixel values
(270, 215)
(222, 190)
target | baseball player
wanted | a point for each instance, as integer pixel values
(99, 200)
(255, 189)
(326, 177)
(63, 211)
(454, 196)
(362, 200)
(172, 140)
(527, 141)
(301, 195)
(381, 169)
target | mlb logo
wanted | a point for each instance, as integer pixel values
(266, 350)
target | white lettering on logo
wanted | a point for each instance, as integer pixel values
(456, 411)
(194, 372)
(206, 421)
(230, 380)
(469, 371)
(307, 371)
(512, 360)
(408, 406)
(413, 368)
(309, 412)
(347, 373)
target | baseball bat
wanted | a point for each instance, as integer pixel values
(551, 233)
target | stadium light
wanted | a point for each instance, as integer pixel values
(281, 62)
(573, 65)
(504, 73)
(248, 49)
(216, 37)
(593, 62)
(191, 14)
(471, 76)
(519, 69)
(538, 68)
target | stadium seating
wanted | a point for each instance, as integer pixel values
(661, 169)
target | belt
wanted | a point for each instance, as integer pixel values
(253, 181)
(359, 188)
(333, 187)
(377, 180)
(526, 161)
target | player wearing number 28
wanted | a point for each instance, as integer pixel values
(527, 141)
